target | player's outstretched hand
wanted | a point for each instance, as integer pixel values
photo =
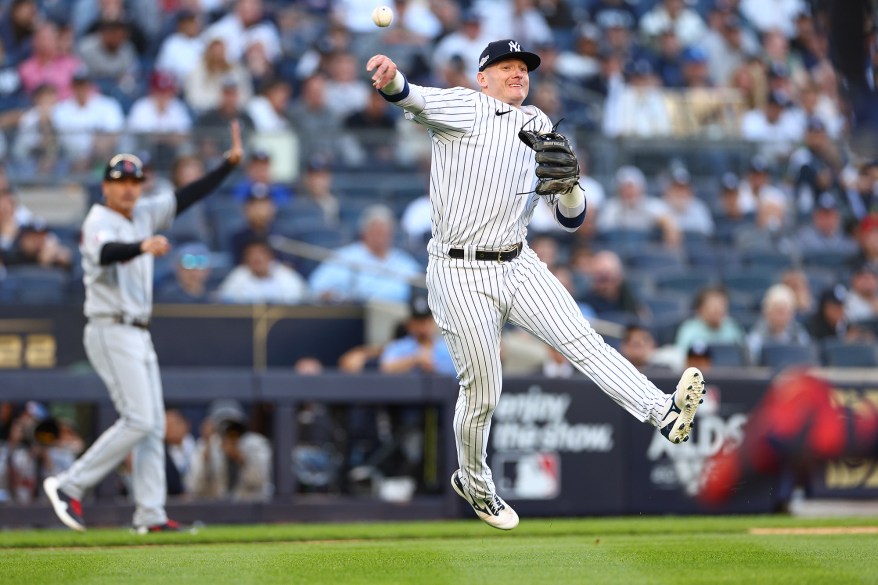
(236, 152)
(385, 70)
(155, 245)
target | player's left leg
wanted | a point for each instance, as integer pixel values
(148, 456)
(544, 307)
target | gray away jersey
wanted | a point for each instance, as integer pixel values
(122, 288)
(482, 178)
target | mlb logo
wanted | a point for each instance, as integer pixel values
(528, 476)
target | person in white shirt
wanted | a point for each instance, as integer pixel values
(269, 110)
(466, 43)
(776, 122)
(160, 112)
(243, 27)
(690, 213)
(633, 210)
(768, 15)
(688, 25)
(89, 122)
(349, 93)
(262, 279)
(182, 50)
(637, 108)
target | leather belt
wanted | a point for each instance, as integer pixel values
(122, 320)
(504, 255)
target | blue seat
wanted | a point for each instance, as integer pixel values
(837, 353)
(727, 355)
(684, 281)
(650, 258)
(782, 355)
(766, 260)
(36, 285)
(827, 259)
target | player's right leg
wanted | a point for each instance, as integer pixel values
(469, 316)
(116, 353)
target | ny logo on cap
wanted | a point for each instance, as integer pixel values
(514, 47)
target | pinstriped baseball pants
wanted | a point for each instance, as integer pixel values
(124, 358)
(472, 300)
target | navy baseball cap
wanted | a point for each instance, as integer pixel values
(507, 49)
(124, 166)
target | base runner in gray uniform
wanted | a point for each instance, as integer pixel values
(485, 181)
(118, 247)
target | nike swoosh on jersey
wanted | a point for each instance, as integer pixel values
(499, 113)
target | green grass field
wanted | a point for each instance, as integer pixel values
(593, 551)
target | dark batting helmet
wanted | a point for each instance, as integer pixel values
(123, 166)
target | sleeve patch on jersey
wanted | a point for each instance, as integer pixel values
(397, 96)
(570, 222)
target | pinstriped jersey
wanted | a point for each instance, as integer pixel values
(482, 176)
(122, 288)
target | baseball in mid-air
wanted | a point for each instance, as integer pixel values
(382, 16)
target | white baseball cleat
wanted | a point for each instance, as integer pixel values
(68, 509)
(493, 510)
(682, 404)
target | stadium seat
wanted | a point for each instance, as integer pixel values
(781, 355)
(766, 260)
(727, 355)
(827, 259)
(686, 281)
(837, 353)
(654, 259)
(36, 285)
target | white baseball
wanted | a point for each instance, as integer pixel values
(382, 16)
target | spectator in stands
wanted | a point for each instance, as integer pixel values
(191, 273)
(258, 172)
(246, 26)
(521, 16)
(581, 62)
(685, 21)
(757, 187)
(35, 245)
(813, 103)
(543, 220)
(350, 93)
(797, 280)
(316, 191)
(637, 107)
(159, 115)
(269, 110)
(556, 365)
(259, 211)
(728, 46)
(546, 249)
(768, 16)
(668, 61)
(422, 349)
(319, 127)
(696, 72)
(37, 145)
(370, 269)
(861, 197)
(89, 123)
(179, 451)
(212, 141)
(775, 124)
(182, 50)
(633, 210)
(690, 213)
(371, 134)
(861, 302)
(814, 166)
(48, 64)
(204, 86)
(610, 294)
(230, 462)
(142, 18)
(466, 42)
(777, 323)
(867, 238)
(699, 356)
(13, 215)
(416, 221)
(830, 322)
(638, 346)
(711, 322)
(772, 230)
(17, 30)
(260, 278)
(824, 233)
(109, 54)
(731, 206)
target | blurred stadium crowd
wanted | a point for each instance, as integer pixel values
(731, 201)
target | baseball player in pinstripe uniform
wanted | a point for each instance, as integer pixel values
(485, 183)
(118, 247)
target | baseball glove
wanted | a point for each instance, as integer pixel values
(557, 167)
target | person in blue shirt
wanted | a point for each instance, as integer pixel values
(422, 349)
(370, 269)
(259, 171)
